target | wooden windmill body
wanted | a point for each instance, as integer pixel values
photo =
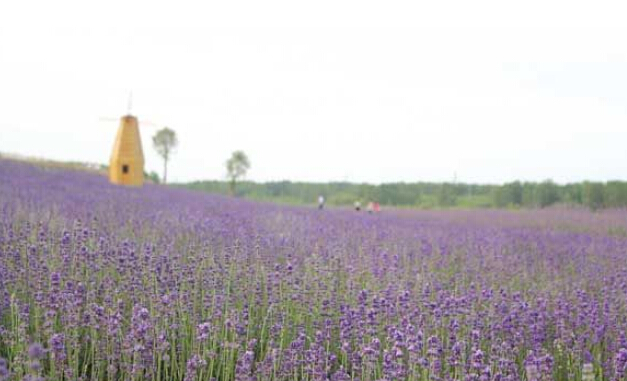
(126, 166)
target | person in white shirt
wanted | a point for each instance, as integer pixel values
(320, 202)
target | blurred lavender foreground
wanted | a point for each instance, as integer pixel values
(99, 282)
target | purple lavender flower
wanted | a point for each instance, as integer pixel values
(36, 351)
(193, 364)
(4, 371)
(203, 331)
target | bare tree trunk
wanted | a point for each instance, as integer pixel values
(165, 166)
(165, 171)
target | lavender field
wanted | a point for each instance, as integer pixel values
(99, 282)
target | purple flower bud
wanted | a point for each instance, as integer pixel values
(56, 342)
(204, 329)
(36, 351)
(4, 371)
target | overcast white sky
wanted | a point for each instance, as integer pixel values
(357, 90)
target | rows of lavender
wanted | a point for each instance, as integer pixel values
(99, 282)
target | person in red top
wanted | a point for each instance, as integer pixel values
(377, 209)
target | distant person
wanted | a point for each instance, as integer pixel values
(320, 202)
(370, 207)
(377, 208)
(357, 206)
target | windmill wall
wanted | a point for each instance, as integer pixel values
(126, 166)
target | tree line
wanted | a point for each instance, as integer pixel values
(517, 194)
(594, 195)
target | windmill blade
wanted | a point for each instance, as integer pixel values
(148, 123)
(143, 123)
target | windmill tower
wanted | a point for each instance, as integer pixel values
(126, 165)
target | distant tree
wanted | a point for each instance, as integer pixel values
(516, 193)
(499, 197)
(615, 194)
(165, 143)
(573, 193)
(446, 195)
(510, 194)
(152, 176)
(547, 193)
(528, 197)
(236, 168)
(594, 197)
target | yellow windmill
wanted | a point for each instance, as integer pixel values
(126, 165)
